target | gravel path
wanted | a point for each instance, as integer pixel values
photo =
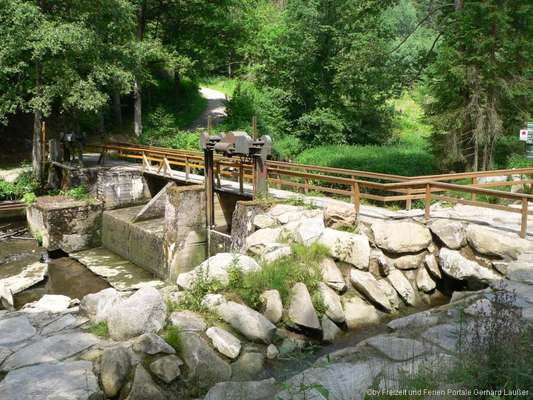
(216, 108)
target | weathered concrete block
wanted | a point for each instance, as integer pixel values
(140, 242)
(243, 222)
(122, 187)
(185, 236)
(66, 224)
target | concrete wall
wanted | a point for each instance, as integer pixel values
(122, 187)
(185, 236)
(66, 224)
(140, 242)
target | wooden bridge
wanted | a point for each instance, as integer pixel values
(232, 174)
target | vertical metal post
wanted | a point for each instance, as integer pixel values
(523, 225)
(428, 202)
(241, 178)
(209, 188)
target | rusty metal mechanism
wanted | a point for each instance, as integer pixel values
(236, 144)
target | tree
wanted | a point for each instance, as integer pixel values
(481, 81)
(329, 58)
(61, 57)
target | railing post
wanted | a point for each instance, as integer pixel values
(218, 174)
(473, 197)
(523, 225)
(187, 169)
(428, 202)
(408, 202)
(356, 197)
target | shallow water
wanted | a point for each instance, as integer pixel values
(65, 276)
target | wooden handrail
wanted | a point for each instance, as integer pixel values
(305, 177)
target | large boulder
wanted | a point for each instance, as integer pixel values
(272, 305)
(451, 233)
(332, 302)
(365, 283)
(309, 230)
(401, 237)
(259, 238)
(390, 293)
(455, 265)
(340, 216)
(349, 247)
(166, 368)
(424, 282)
(150, 343)
(330, 330)
(402, 286)
(248, 366)
(249, 322)
(301, 309)
(257, 390)
(216, 268)
(405, 262)
(144, 387)
(142, 312)
(204, 366)
(97, 305)
(431, 264)
(261, 221)
(521, 271)
(358, 313)
(331, 274)
(224, 342)
(492, 242)
(188, 321)
(271, 252)
(115, 367)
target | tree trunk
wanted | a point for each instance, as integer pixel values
(37, 147)
(117, 108)
(137, 109)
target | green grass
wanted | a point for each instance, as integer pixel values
(224, 85)
(172, 336)
(406, 153)
(400, 159)
(99, 329)
(282, 274)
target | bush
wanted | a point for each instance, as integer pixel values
(322, 125)
(25, 183)
(397, 159)
(99, 329)
(518, 161)
(286, 148)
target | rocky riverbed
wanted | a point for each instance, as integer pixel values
(146, 344)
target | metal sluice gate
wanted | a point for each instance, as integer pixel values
(250, 151)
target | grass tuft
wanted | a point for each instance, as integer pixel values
(99, 329)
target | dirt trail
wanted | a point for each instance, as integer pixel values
(216, 108)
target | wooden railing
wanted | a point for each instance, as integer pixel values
(357, 185)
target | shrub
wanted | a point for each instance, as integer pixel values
(497, 351)
(25, 183)
(322, 125)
